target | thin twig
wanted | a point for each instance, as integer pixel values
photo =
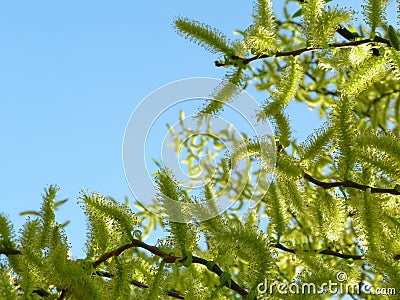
(349, 184)
(325, 251)
(376, 100)
(134, 282)
(63, 294)
(41, 292)
(297, 52)
(9, 251)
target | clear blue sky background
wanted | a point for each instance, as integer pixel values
(72, 72)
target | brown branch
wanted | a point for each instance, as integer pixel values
(297, 52)
(376, 100)
(63, 294)
(326, 252)
(9, 251)
(324, 91)
(168, 259)
(41, 292)
(134, 282)
(158, 252)
(349, 184)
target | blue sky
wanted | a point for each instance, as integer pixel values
(71, 73)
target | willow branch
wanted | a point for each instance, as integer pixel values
(63, 294)
(158, 252)
(376, 39)
(139, 284)
(349, 184)
(41, 292)
(9, 251)
(168, 259)
(376, 100)
(326, 252)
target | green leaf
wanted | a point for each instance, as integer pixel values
(297, 13)
(225, 279)
(60, 202)
(65, 224)
(210, 265)
(393, 38)
(252, 294)
(395, 221)
(350, 261)
(29, 212)
(188, 260)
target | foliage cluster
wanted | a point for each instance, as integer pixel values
(333, 205)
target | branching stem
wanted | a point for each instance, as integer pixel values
(377, 39)
(168, 259)
(349, 184)
(325, 251)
